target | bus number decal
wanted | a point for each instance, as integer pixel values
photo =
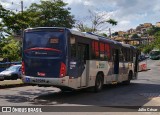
(40, 80)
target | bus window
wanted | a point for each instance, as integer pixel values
(73, 47)
(102, 50)
(127, 55)
(123, 53)
(131, 55)
(95, 50)
(44, 44)
(107, 51)
(120, 55)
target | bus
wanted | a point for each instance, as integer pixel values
(66, 58)
(155, 54)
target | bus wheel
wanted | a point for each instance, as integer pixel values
(127, 82)
(98, 83)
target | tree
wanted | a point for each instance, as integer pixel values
(157, 40)
(126, 36)
(51, 13)
(147, 48)
(10, 49)
(112, 21)
(97, 22)
(82, 27)
(1, 32)
(153, 30)
(115, 34)
(47, 13)
(134, 36)
(4, 16)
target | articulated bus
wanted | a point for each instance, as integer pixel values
(65, 58)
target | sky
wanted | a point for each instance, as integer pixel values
(128, 13)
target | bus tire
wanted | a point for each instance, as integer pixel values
(127, 82)
(98, 83)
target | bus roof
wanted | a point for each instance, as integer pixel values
(83, 34)
(87, 35)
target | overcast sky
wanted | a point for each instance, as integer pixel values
(128, 13)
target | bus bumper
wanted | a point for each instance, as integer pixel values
(46, 81)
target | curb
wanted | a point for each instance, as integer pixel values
(12, 86)
(144, 70)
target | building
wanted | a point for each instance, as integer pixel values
(131, 31)
(142, 28)
(158, 24)
(147, 25)
(141, 31)
(121, 33)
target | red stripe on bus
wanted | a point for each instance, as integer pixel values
(48, 49)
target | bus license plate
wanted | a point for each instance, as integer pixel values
(40, 80)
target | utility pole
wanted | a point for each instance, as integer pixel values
(110, 32)
(22, 7)
(22, 18)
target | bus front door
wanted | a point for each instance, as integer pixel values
(116, 64)
(83, 56)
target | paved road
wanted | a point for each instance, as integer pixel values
(142, 92)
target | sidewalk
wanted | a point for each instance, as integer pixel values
(158, 63)
(153, 101)
(11, 83)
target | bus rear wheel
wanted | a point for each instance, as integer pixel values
(98, 83)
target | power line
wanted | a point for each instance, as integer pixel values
(11, 9)
(21, 4)
(13, 3)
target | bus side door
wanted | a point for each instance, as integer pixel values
(116, 64)
(83, 56)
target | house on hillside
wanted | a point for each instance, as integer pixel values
(157, 24)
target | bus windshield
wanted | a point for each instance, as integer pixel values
(46, 43)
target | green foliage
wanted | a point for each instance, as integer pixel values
(115, 34)
(10, 49)
(105, 35)
(47, 13)
(4, 16)
(134, 36)
(157, 40)
(126, 36)
(97, 22)
(112, 22)
(83, 28)
(153, 30)
(147, 49)
(51, 13)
